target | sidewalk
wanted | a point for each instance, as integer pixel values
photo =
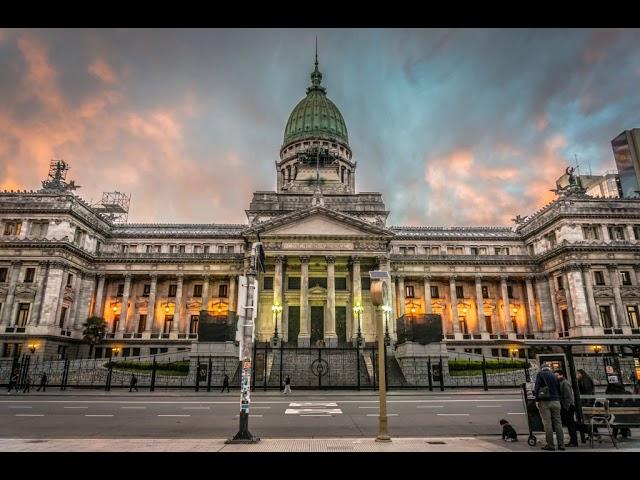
(434, 444)
(124, 392)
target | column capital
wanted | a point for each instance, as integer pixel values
(452, 277)
(541, 277)
(330, 259)
(304, 258)
(179, 276)
(16, 263)
(127, 276)
(504, 278)
(426, 278)
(356, 259)
(206, 276)
(154, 276)
(279, 258)
(478, 277)
(636, 267)
(612, 268)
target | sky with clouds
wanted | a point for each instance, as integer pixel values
(454, 127)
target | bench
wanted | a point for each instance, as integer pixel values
(613, 411)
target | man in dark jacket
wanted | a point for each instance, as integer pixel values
(225, 383)
(549, 406)
(568, 408)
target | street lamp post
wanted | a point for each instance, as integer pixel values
(357, 310)
(387, 310)
(276, 309)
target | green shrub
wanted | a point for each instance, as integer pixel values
(179, 367)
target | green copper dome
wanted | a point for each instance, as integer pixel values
(316, 116)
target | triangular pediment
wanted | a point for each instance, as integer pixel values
(318, 221)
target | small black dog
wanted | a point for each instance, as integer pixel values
(508, 432)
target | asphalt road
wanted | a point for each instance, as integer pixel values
(273, 416)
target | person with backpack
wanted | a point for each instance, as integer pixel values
(547, 392)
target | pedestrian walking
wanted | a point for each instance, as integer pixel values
(287, 385)
(43, 383)
(547, 392)
(585, 383)
(225, 383)
(13, 381)
(27, 384)
(567, 408)
(133, 383)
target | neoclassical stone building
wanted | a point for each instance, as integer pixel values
(568, 270)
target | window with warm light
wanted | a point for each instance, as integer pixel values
(485, 292)
(459, 291)
(173, 289)
(435, 293)
(146, 290)
(632, 313)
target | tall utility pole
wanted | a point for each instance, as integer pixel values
(248, 286)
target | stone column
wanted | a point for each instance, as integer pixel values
(454, 304)
(205, 294)
(124, 309)
(587, 278)
(554, 304)
(52, 293)
(277, 293)
(330, 328)
(41, 276)
(304, 337)
(13, 282)
(605, 234)
(428, 307)
(233, 301)
(630, 235)
(175, 326)
(570, 303)
(98, 310)
(544, 297)
(614, 275)
(401, 300)
(151, 309)
(60, 300)
(85, 300)
(482, 326)
(356, 294)
(72, 319)
(531, 306)
(506, 306)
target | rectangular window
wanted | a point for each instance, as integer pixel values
(267, 283)
(317, 282)
(482, 250)
(124, 248)
(23, 314)
(402, 250)
(63, 316)
(459, 251)
(487, 322)
(451, 250)
(222, 292)
(153, 351)
(409, 291)
(625, 277)
(197, 249)
(69, 280)
(146, 291)
(142, 323)
(636, 232)
(173, 289)
(168, 321)
(293, 283)
(231, 249)
(193, 326)
(599, 277)
(474, 251)
(632, 312)
(172, 249)
(206, 249)
(157, 248)
(148, 248)
(509, 291)
(435, 250)
(341, 283)
(560, 283)
(616, 233)
(181, 249)
(197, 290)
(136, 352)
(3, 274)
(485, 292)
(120, 291)
(29, 275)
(531, 250)
(434, 292)
(605, 316)
(459, 291)
(164, 350)
(126, 352)
(220, 248)
(411, 250)
(365, 283)
(12, 228)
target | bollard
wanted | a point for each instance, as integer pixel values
(153, 375)
(429, 374)
(209, 375)
(485, 384)
(441, 376)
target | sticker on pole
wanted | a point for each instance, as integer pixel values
(246, 365)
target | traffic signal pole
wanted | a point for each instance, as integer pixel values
(246, 346)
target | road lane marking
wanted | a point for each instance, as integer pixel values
(29, 415)
(453, 414)
(88, 415)
(251, 415)
(19, 406)
(488, 406)
(260, 408)
(129, 408)
(75, 407)
(313, 404)
(516, 413)
(316, 415)
(299, 411)
(368, 407)
(172, 415)
(189, 408)
(430, 406)
(377, 415)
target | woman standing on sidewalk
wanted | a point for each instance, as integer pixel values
(287, 385)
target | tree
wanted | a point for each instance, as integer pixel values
(94, 331)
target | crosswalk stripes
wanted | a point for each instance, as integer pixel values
(313, 408)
